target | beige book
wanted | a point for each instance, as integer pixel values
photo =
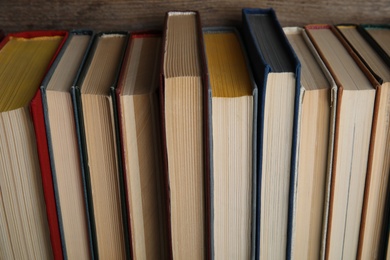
(355, 107)
(24, 228)
(138, 116)
(317, 109)
(100, 154)
(233, 101)
(379, 161)
(62, 140)
(182, 120)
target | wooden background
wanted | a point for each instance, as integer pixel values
(17, 15)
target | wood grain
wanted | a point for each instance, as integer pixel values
(130, 15)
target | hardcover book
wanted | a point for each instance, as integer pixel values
(355, 108)
(232, 122)
(137, 100)
(276, 71)
(93, 99)
(184, 135)
(26, 180)
(315, 136)
(379, 160)
(62, 145)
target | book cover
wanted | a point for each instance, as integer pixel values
(83, 147)
(276, 71)
(245, 247)
(71, 79)
(36, 110)
(191, 69)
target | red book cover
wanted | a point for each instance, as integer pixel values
(36, 109)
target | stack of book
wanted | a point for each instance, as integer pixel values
(196, 143)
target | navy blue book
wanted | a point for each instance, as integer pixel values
(276, 72)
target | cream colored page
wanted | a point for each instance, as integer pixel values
(232, 171)
(68, 174)
(312, 168)
(143, 171)
(134, 187)
(21, 189)
(103, 168)
(184, 126)
(350, 176)
(276, 162)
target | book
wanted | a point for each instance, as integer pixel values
(315, 136)
(379, 160)
(62, 145)
(276, 71)
(26, 193)
(355, 107)
(184, 135)
(138, 111)
(93, 103)
(232, 122)
(381, 34)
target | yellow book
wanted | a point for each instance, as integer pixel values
(24, 59)
(232, 127)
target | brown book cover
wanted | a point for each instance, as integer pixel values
(206, 136)
(337, 140)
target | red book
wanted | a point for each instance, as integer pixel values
(37, 113)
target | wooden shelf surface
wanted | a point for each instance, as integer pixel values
(21, 15)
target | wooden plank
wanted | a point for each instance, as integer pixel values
(129, 15)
